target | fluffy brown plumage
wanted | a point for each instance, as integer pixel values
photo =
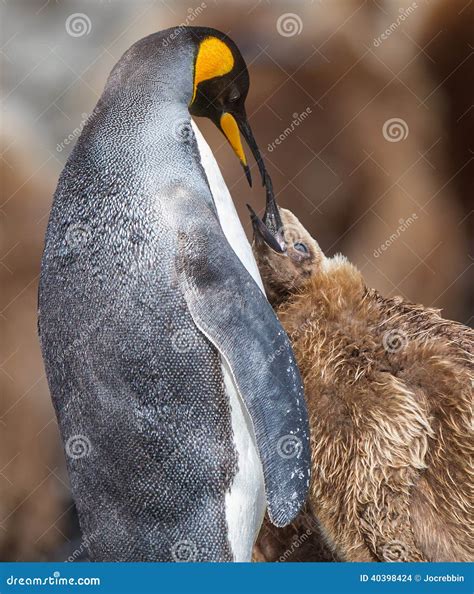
(389, 390)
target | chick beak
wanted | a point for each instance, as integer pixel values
(263, 235)
(271, 218)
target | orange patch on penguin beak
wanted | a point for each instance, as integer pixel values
(231, 131)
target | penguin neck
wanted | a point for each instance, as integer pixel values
(145, 105)
(165, 80)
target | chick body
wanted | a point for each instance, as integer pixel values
(389, 390)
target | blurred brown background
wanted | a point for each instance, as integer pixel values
(379, 168)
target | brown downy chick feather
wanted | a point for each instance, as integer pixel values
(389, 391)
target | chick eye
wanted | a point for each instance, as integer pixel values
(300, 247)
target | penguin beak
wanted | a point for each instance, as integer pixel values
(232, 125)
(270, 230)
(230, 129)
(247, 133)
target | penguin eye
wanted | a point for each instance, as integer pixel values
(300, 247)
(234, 96)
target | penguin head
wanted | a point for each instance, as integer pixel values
(220, 88)
(286, 254)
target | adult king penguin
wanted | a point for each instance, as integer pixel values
(177, 394)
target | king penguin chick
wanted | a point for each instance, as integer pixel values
(389, 392)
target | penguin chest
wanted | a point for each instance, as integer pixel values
(245, 501)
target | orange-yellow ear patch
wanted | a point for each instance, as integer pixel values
(214, 59)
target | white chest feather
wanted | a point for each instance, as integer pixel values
(228, 217)
(245, 501)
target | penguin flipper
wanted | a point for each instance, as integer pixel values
(230, 310)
